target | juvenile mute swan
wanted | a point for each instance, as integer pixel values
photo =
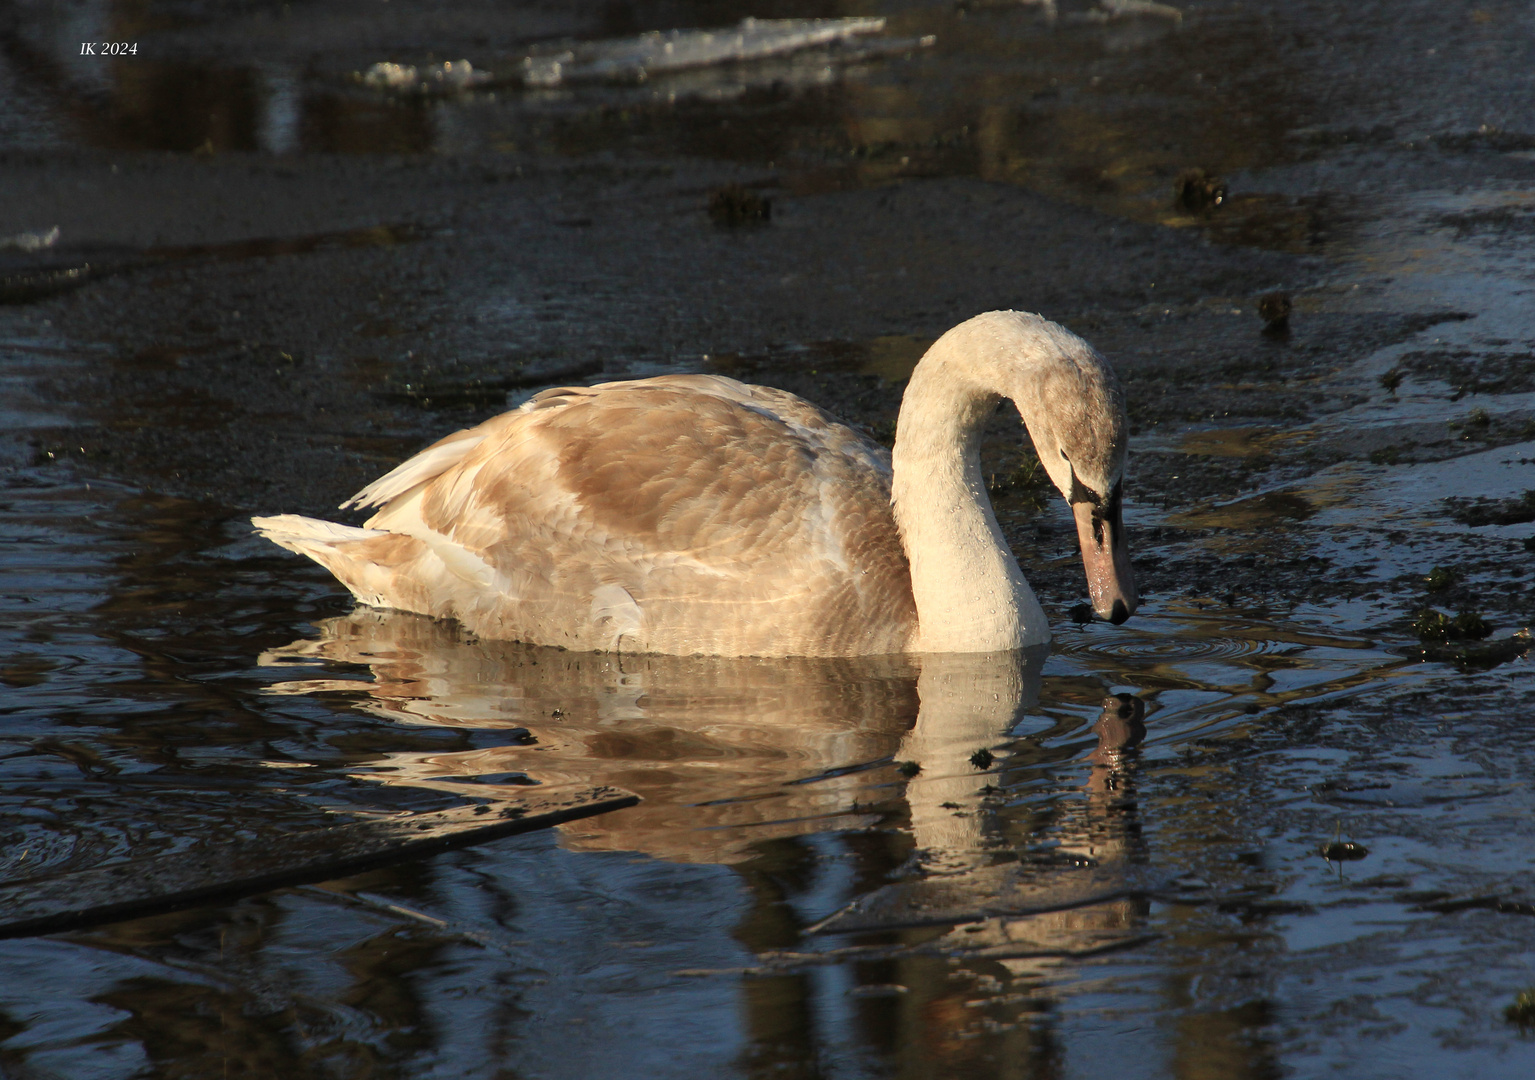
(696, 514)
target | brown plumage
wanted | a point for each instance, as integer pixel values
(707, 516)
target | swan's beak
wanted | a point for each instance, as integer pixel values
(1106, 558)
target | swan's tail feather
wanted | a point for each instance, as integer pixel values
(369, 562)
(301, 534)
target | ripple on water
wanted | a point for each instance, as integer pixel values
(1196, 668)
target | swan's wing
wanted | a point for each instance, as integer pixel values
(427, 465)
(815, 427)
(745, 514)
(705, 468)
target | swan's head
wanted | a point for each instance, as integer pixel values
(1073, 406)
(1077, 420)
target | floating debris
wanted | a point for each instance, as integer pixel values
(29, 241)
(27, 280)
(1343, 851)
(1522, 1011)
(1198, 190)
(1340, 850)
(1080, 944)
(633, 60)
(1439, 579)
(1469, 657)
(737, 205)
(1106, 11)
(385, 76)
(1431, 625)
(1125, 9)
(1274, 309)
(450, 77)
(1046, 6)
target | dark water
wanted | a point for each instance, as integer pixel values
(1046, 896)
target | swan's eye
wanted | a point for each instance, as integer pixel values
(1064, 457)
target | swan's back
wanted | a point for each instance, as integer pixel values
(683, 514)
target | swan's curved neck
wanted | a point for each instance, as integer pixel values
(969, 592)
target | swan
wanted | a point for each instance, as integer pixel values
(694, 514)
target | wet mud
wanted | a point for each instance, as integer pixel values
(1306, 849)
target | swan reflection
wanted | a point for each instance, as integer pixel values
(735, 758)
(1097, 909)
(725, 752)
(969, 702)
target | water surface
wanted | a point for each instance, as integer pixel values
(916, 867)
(170, 681)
